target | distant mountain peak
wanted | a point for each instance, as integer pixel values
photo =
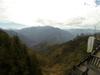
(46, 34)
(40, 27)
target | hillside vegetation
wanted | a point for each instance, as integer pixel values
(59, 59)
(17, 59)
(14, 57)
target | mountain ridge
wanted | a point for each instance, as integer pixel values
(35, 35)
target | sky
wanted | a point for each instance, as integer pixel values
(57, 13)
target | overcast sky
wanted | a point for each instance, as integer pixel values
(58, 13)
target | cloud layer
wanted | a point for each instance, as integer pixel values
(58, 13)
(1, 10)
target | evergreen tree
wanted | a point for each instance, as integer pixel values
(14, 58)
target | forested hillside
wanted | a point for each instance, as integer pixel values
(17, 59)
(14, 57)
(59, 59)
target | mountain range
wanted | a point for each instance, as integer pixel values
(40, 35)
(17, 59)
(36, 36)
(76, 32)
(63, 50)
(33, 36)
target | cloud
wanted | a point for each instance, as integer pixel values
(88, 21)
(59, 13)
(10, 25)
(75, 21)
(2, 10)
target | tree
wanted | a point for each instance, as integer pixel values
(14, 58)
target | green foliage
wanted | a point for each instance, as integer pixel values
(65, 55)
(17, 59)
(14, 58)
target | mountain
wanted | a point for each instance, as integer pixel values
(40, 35)
(22, 37)
(10, 25)
(76, 32)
